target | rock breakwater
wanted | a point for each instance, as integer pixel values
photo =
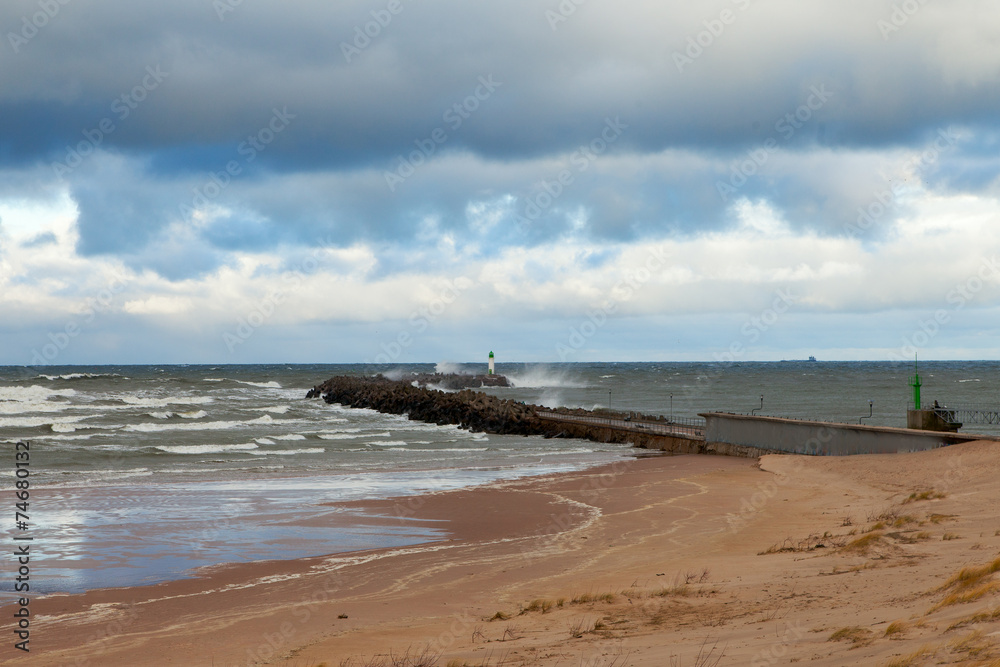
(479, 412)
(467, 409)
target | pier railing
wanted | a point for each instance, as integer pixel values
(969, 415)
(692, 427)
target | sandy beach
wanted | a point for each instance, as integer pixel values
(685, 560)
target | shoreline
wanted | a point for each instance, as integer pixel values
(804, 558)
(508, 517)
(204, 522)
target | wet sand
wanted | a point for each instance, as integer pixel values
(796, 559)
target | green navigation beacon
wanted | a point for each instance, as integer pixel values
(915, 383)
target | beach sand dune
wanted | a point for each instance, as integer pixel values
(686, 560)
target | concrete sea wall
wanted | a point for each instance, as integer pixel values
(794, 436)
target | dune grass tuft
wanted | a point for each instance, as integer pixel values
(969, 584)
(896, 628)
(981, 617)
(538, 604)
(929, 494)
(971, 576)
(913, 659)
(974, 645)
(855, 634)
(864, 543)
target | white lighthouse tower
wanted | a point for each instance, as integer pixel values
(491, 363)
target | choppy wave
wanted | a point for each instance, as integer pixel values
(266, 385)
(33, 393)
(206, 449)
(79, 376)
(200, 426)
(290, 436)
(352, 435)
(35, 422)
(198, 414)
(61, 427)
(276, 409)
(143, 402)
(288, 452)
(27, 407)
(450, 449)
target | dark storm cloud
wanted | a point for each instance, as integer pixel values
(137, 107)
(223, 75)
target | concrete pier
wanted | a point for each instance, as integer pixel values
(797, 436)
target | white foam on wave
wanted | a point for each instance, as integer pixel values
(110, 475)
(143, 402)
(389, 443)
(564, 452)
(276, 409)
(21, 400)
(288, 452)
(33, 393)
(77, 376)
(354, 433)
(214, 380)
(264, 385)
(197, 414)
(264, 441)
(200, 426)
(206, 449)
(451, 449)
(290, 436)
(35, 422)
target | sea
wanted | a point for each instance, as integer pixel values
(142, 474)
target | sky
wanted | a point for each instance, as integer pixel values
(391, 181)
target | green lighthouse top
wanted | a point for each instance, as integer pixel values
(916, 384)
(491, 353)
